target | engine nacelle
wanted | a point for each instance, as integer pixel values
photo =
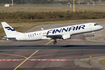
(67, 36)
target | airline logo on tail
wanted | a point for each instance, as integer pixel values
(8, 28)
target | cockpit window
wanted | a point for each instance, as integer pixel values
(95, 24)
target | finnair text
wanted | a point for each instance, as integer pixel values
(66, 29)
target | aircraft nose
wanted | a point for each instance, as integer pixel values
(102, 27)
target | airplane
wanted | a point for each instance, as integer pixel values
(54, 33)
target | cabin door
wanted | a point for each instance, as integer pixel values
(90, 26)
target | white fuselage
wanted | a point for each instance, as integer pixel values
(65, 32)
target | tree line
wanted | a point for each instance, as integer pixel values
(53, 15)
(50, 1)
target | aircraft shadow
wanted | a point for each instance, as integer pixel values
(52, 46)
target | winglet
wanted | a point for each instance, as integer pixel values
(42, 28)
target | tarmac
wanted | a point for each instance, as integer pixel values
(77, 53)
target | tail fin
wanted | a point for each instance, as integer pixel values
(9, 31)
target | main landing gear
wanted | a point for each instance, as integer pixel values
(54, 42)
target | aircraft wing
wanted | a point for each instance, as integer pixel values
(55, 36)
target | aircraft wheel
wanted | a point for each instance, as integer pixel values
(55, 42)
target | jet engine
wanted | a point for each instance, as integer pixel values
(67, 36)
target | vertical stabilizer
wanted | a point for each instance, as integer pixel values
(9, 31)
